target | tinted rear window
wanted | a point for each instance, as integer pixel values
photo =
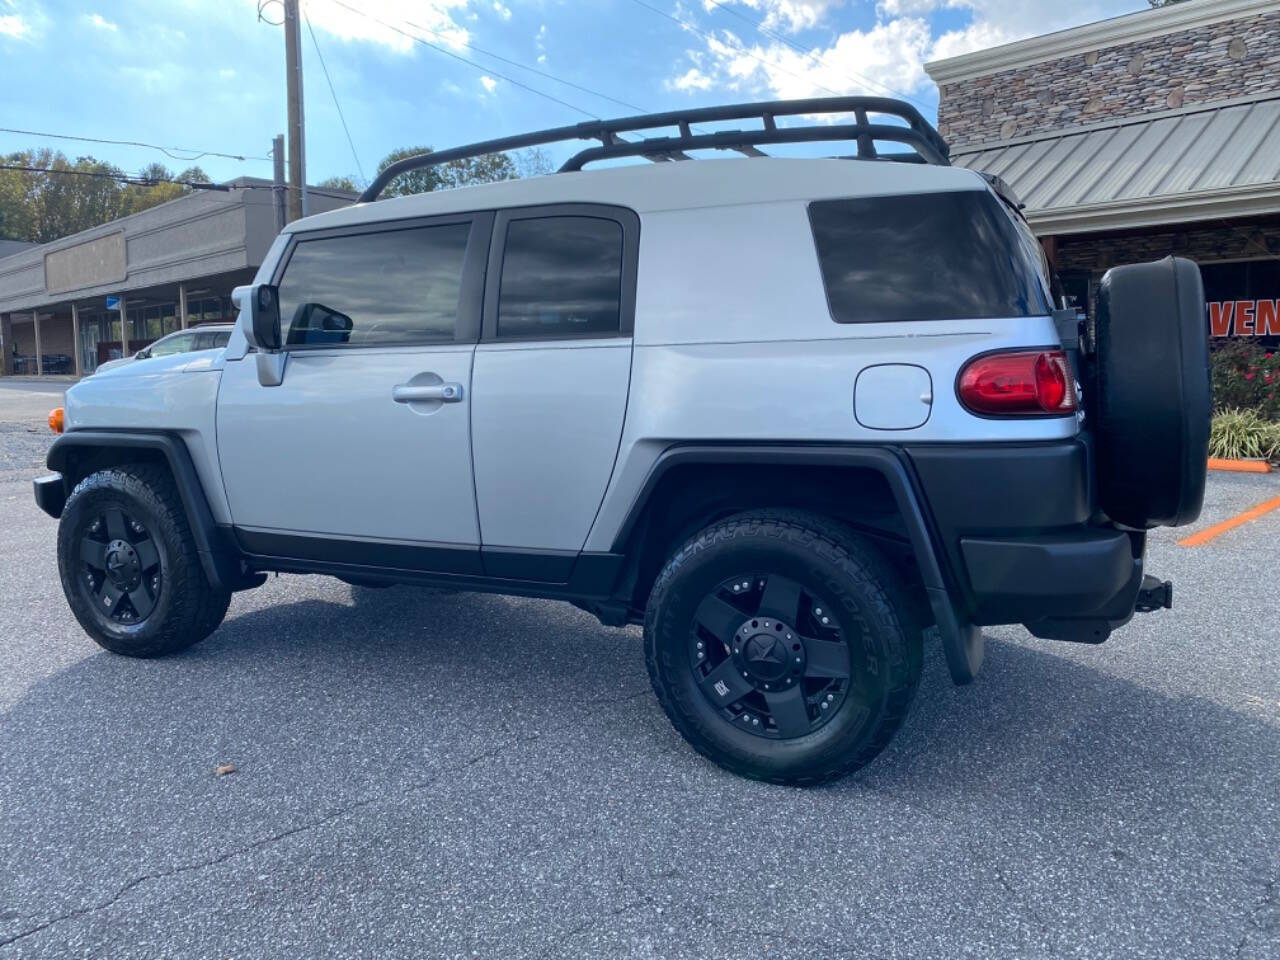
(934, 256)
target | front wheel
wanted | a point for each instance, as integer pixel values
(129, 565)
(783, 647)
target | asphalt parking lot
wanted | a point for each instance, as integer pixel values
(476, 776)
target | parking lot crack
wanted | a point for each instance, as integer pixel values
(461, 766)
(1253, 920)
(1035, 914)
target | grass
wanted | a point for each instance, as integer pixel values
(1244, 435)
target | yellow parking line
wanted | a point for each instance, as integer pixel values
(1240, 519)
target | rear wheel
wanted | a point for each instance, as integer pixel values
(129, 566)
(783, 647)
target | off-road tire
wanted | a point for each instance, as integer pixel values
(861, 587)
(1150, 396)
(186, 608)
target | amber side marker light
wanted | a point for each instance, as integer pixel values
(56, 418)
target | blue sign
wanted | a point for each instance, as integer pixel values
(113, 303)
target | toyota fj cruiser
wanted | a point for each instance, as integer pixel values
(787, 413)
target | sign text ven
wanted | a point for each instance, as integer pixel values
(1244, 318)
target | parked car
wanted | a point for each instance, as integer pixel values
(785, 413)
(208, 336)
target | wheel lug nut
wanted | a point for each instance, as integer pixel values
(826, 620)
(824, 706)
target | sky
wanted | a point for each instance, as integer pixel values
(208, 75)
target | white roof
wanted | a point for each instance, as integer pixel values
(676, 185)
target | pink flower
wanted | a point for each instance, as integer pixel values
(1248, 376)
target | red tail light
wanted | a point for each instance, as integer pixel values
(1018, 383)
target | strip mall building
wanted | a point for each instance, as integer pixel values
(1131, 139)
(96, 295)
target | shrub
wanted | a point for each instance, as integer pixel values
(1243, 435)
(1246, 377)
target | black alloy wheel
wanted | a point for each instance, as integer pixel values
(120, 567)
(130, 569)
(767, 653)
(783, 646)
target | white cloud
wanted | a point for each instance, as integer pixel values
(488, 83)
(909, 8)
(101, 22)
(502, 11)
(885, 59)
(432, 20)
(540, 41)
(889, 56)
(22, 20)
(693, 79)
(12, 25)
(789, 15)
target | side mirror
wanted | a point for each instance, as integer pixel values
(259, 319)
(142, 354)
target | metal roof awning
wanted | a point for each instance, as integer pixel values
(1197, 163)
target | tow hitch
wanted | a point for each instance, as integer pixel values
(1154, 595)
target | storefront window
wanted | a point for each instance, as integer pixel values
(153, 326)
(168, 318)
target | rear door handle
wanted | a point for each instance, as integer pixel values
(412, 392)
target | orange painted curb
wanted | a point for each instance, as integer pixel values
(1239, 520)
(1240, 466)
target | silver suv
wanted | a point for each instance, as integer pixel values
(786, 413)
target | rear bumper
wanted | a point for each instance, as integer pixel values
(51, 494)
(1024, 542)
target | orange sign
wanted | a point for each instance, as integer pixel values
(1244, 318)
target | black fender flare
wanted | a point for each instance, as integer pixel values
(219, 560)
(961, 640)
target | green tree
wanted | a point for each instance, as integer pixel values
(453, 173)
(54, 199)
(339, 183)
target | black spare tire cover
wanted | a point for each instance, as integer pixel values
(1151, 395)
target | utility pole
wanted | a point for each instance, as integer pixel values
(297, 123)
(279, 192)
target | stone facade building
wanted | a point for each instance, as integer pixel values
(1134, 138)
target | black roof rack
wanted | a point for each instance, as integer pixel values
(925, 141)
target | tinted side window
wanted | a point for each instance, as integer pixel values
(936, 256)
(561, 276)
(401, 286)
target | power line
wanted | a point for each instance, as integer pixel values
(812, 54)
(524, 66)
(118, 178)
(334, 94)
(471, 63)
(137, 143)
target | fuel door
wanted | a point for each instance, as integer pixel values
(893, 396)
